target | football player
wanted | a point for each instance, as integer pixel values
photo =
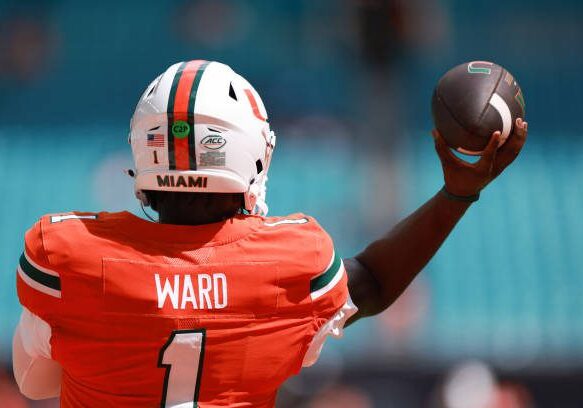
(216, 304)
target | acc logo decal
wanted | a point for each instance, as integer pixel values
(477, 67)
(180, 129)
(213, 142)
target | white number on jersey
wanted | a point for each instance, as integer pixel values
(182, 356)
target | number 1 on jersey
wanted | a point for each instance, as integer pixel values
(182, 356)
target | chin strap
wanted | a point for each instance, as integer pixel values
(261, 207)
(146, 213)
(139, 194)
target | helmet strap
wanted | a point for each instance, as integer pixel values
(146, 213)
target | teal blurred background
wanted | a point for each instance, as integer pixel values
(347, 85)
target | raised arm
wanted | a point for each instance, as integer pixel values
(379, 274)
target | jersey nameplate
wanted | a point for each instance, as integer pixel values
(186, 291)
(136, 287)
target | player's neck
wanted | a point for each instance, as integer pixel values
(196, 208)
(197, 212)
(192, 218)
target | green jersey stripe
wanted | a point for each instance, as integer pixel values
(43, 278)
(325, 278)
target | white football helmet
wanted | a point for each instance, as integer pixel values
(201, 127)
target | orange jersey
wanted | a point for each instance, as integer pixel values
(145, 314)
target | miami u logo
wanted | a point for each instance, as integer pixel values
(480, 67)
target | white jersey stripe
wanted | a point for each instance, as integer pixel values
(35, 285)
(331, 261)
(337, 277)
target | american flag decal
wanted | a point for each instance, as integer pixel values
(155, 140)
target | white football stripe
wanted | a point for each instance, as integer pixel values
(35, 285)
(502, 107)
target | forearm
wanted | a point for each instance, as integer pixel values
(395, 260)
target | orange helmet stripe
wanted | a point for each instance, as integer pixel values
(254, 106)
(181, 143)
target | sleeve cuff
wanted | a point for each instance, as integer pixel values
(333, 327)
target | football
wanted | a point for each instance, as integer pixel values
(472, 101)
